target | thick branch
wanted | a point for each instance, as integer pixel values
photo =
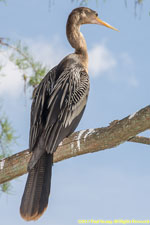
(85, 141)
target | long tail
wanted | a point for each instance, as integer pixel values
(35, 198)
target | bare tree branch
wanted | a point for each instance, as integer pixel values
(140, 139)
(85, 141)
(6, 44)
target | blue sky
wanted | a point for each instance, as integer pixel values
(111, 184)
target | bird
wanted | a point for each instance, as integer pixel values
(58, 104)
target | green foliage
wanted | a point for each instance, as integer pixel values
(39, 73)
(85, 2)
(6, 187)
(32, 71)
(1, 67)
(7, 136)
(6, 139)
(140, 1)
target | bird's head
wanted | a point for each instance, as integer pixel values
(84, 15)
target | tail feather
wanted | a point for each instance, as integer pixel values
(36, 194)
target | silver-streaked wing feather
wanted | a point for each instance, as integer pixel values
(70, 96)
(41, 92)
(58, 106)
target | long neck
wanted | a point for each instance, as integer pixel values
(77, 41)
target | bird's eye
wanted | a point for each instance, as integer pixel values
(96, 14)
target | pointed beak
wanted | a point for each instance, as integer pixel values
(100, 22)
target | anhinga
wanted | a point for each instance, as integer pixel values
(58, 105)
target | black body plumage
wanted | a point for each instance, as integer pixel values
(58, 105)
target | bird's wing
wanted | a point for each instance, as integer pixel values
(57, 107)
(40, 95)
(67, 101)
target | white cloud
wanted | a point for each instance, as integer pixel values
(51, 53)
(100, 60)
(48, 52)
(117, 68)
(127, 74)
(11, 82)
